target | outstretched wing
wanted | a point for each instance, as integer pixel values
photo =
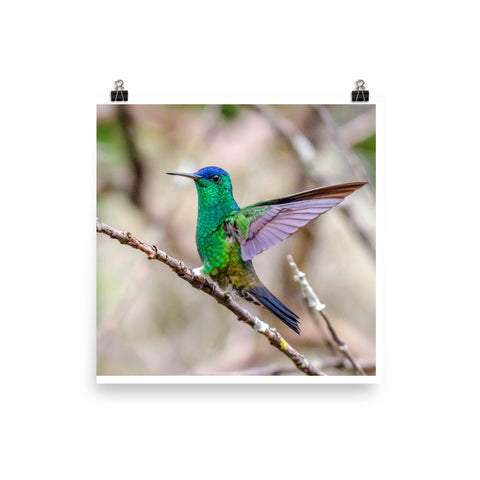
(272, 221)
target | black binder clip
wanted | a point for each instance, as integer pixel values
(119, 94)
(360, 94)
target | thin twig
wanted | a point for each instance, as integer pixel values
(307, 156)
(203, 283)
(317, 308)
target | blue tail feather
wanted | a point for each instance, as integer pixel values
(272, 303)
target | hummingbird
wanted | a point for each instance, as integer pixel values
(228, 237)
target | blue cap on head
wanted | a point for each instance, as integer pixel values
(207, 172)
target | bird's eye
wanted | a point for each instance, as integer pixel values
(215, 178)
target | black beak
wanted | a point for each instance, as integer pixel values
(193, 176)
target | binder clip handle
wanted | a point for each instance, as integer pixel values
(360, 94)
(360, 84)
(119, 94)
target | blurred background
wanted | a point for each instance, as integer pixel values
(149, 321)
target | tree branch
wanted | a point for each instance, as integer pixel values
(138, 169)
(203, 283)
(317, 309)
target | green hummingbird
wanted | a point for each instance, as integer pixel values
(228, 237)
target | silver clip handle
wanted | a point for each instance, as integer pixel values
(119, 87)
(360, 84)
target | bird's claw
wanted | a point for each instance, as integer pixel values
(195, 271)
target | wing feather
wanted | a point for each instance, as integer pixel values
(273, 221)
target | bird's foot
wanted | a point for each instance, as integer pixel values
(228, 296)
(196, 271)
